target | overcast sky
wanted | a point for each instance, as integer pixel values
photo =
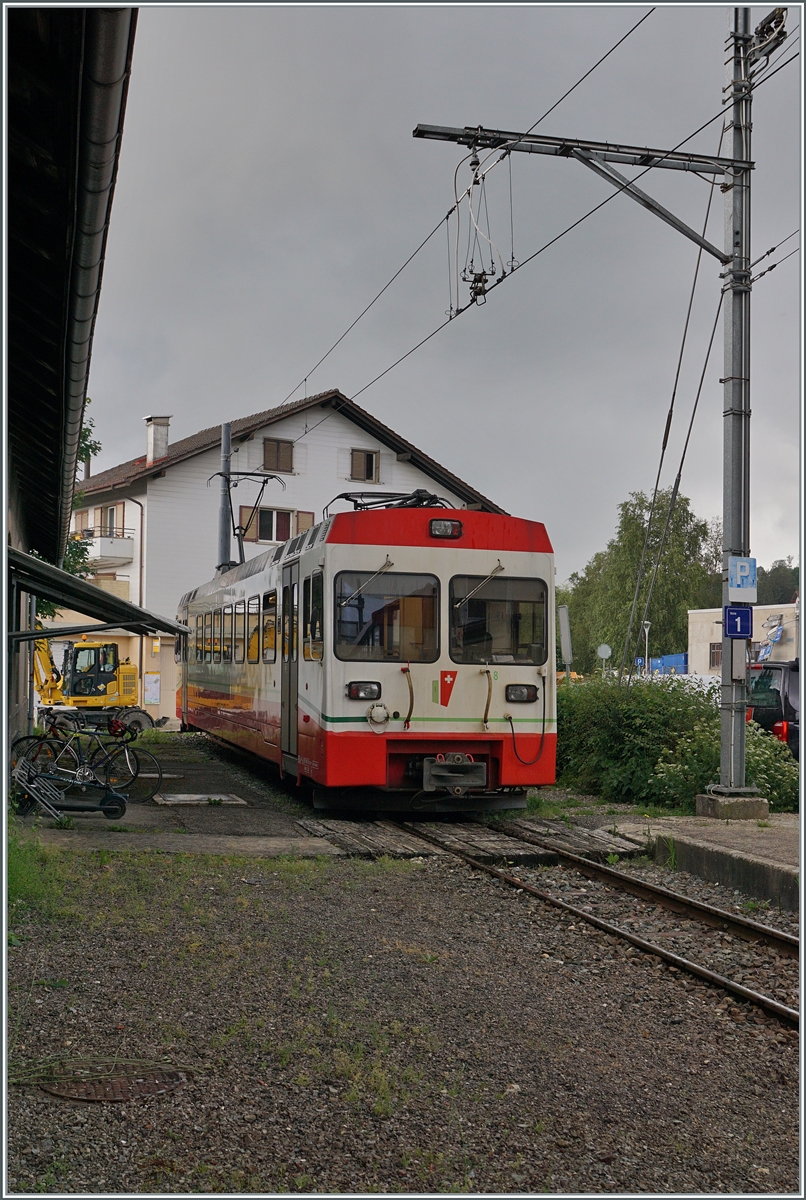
(269, 186)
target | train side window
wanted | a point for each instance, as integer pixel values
(217, 635)
(313, 601)
(294, 620)
(253, 630)
(208, 637)
(269, 627)
(199, 638)
(306, 618)
(240, 630)
(226, 634)
(286, 618)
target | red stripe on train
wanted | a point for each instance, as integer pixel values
(411, 527)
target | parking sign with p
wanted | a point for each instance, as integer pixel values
(742, 580)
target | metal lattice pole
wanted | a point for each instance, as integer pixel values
(736, 429)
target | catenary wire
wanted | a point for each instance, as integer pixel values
(457, 201)
(531, 257)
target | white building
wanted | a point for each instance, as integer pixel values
(776, 632)
(152, 523)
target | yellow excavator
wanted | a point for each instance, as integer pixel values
(92, 679)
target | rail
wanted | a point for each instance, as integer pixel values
(788, 1015)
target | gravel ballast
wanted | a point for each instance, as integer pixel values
(379, 1027)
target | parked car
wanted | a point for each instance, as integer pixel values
(774, 700)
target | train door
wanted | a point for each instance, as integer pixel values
(290, 666)
(185, 645)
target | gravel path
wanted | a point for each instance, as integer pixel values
(380, 1027)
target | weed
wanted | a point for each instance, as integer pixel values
(755, 906)
(214, 800)
(64, 822)
(612, 859)
(764, 824)
(118, 829)
(671, 852)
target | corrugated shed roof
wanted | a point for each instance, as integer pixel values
(137, 468)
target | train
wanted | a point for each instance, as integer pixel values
(397, 657)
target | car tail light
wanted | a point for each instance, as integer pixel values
(781, 730)
(445, 529)
(521, 693)
(364, 691)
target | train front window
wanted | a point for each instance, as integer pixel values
(387, 617)
(502, 622)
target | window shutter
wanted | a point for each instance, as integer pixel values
(358, 464)
(120, 517)
(97, 521)
(269, 454)
(250, 534)
(285, 456)
(304, 521)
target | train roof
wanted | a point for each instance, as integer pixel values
(393, 527)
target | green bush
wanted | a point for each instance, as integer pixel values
(610, 737)
(685, 770)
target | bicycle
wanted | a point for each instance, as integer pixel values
(136, 773)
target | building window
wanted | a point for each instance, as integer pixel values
(715, 655)
(364, 465)
(278, 456)
(266, 525)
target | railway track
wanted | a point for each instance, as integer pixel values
(608, 882)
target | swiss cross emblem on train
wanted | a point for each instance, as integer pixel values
(446, 681)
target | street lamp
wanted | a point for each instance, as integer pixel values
(646, 647)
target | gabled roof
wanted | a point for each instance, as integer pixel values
(138, 469)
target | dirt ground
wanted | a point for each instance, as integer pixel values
(349, 1026)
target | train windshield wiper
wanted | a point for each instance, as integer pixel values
(495, 571)
(367, 582)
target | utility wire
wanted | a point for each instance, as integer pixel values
(450, 211)
(676, 487)
(369, 306)
(764, 78)
(667, 430)
(775, 264)
(458, 311)
(772, 249)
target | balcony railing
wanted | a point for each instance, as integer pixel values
(104, 531)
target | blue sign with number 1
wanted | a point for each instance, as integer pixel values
(738, 622)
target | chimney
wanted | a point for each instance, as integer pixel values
(157, 431)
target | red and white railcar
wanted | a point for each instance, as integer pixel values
(393, 658)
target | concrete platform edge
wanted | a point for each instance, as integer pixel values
(755, 876)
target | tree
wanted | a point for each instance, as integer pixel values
(600, 597)
(780, 584)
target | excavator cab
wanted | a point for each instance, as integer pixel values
(92, 670)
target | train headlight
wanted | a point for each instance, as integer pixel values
(364, 691)
(521, 693)
(445, 529)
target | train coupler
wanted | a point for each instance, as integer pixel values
(454, 772)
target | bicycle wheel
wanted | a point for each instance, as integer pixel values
(148, 779)
(57, 760)
(118, 770)
(21, 745)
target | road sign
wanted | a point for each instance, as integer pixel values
(639, 662)
(738, 622)
(742, 580)
(604, 651)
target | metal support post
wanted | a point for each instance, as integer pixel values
(224, 514)
(736, 428)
